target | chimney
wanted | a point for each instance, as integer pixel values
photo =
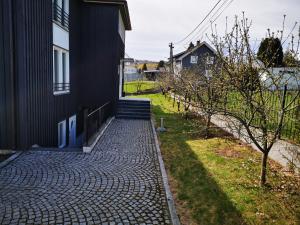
(198, 42)
(191, 46)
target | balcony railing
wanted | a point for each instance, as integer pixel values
(60, 16)
(60, 87)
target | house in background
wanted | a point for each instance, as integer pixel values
(152, 74)
(131, 71)
(59, 61)
(201, 54)
(281, 76)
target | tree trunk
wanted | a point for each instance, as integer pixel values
(263, 176)
(174, 99)
(208, 120)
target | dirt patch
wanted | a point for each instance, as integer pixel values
(230, 153)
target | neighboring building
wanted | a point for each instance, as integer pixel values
(201, 54)
(152, 74)
(282, 76)
(131, 71)
(58, 58)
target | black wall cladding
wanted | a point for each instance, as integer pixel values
(95, 53)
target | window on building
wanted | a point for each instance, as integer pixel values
(61, 13)
(62, 134)
(210, 60)
(64, 67)
(208, 73)
(61, 76)
(194, 59)
(56, 65)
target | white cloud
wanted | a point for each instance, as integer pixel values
(158, 22)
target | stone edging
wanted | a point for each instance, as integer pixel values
(10, 159)
(170, 200)
(89, 149)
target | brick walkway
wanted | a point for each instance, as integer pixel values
(118, 183)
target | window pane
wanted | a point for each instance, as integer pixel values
(61, 134)
(56, 66)
(60, 131)
(194, 59)
(64, 70)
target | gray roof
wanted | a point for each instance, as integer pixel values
(182, 55)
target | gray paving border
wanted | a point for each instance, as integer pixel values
(169, 196)
(10, 159)
(90, 148)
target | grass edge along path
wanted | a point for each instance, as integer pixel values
(131, 87)
(216, 181)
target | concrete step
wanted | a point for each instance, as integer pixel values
(133, 110)
(140, 103)
(133, 114)
(133, 117)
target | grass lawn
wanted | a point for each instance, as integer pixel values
(216, 180)
(291, 128)
(131, 87)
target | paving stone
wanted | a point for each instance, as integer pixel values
(118, 183)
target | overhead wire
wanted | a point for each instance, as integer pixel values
(197, 35)
(209, 22)
(182, 40)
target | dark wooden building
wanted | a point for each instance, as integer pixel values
(57, 59)
(200, 55)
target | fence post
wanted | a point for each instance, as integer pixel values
(297, 124)
(284, 98)
(85, 127)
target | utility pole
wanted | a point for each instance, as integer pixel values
(171, 57)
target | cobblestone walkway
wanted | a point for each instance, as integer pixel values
(118, 183)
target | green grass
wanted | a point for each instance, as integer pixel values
(131, 87)
(216, 180)
(291, 128)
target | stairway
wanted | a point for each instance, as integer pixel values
(134, 109)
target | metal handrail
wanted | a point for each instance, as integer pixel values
(60, 16)
(94, 120)
(96, 110)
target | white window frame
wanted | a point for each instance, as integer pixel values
(62, 131)
(208, 73)
(210, 60)
(63, 71)
(194, 59)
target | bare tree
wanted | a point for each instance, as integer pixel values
(205, 84)
(240, 87)
(258, 99)
(138, 85)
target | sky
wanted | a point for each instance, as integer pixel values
(156, 23)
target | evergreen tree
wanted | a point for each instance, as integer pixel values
(270, 52)
(161, 64)
(144, 68)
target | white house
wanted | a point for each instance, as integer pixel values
(282, 76)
